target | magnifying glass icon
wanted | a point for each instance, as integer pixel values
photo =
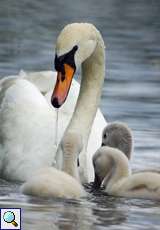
(9, 218)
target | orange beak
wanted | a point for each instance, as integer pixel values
(62, 86)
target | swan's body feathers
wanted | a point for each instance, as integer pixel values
(139, 185)
(50, 182)
(26, 134)
(27, 122)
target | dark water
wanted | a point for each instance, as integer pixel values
(131, 93)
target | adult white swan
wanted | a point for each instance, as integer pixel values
(27, 120)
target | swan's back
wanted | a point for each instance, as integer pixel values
(139, 185)
(50, 182)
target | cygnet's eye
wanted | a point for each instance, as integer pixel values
(105, 136)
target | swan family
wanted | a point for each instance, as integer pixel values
(28, 149)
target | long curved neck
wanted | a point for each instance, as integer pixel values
(93, 71)
(70, 166)
(71, 147)
(119, 170)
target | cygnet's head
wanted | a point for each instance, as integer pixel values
(75, 43)
(104, 162)
(118, 135)
(102, 167)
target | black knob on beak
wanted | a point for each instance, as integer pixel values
(55, 103)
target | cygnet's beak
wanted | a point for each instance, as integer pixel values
(62, 86)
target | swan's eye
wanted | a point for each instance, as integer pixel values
(67, 58)
(78, 164)
(105, 136)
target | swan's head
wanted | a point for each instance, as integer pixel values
(118, 135)
(75, 44)
(102, 166)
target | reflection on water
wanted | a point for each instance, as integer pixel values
(131, 93)
(96, 212)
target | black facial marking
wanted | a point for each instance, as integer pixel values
(63, 77)
(67, 58)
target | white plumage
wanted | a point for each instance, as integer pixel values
(27, 119)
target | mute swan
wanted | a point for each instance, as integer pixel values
(117, 135)
(50, 182)
(27, 120)
(119, 181)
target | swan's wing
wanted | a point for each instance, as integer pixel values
(27, 130)
(140, 185)
(95, 141)
(43, 80)
(27, 123)
(86, 169)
